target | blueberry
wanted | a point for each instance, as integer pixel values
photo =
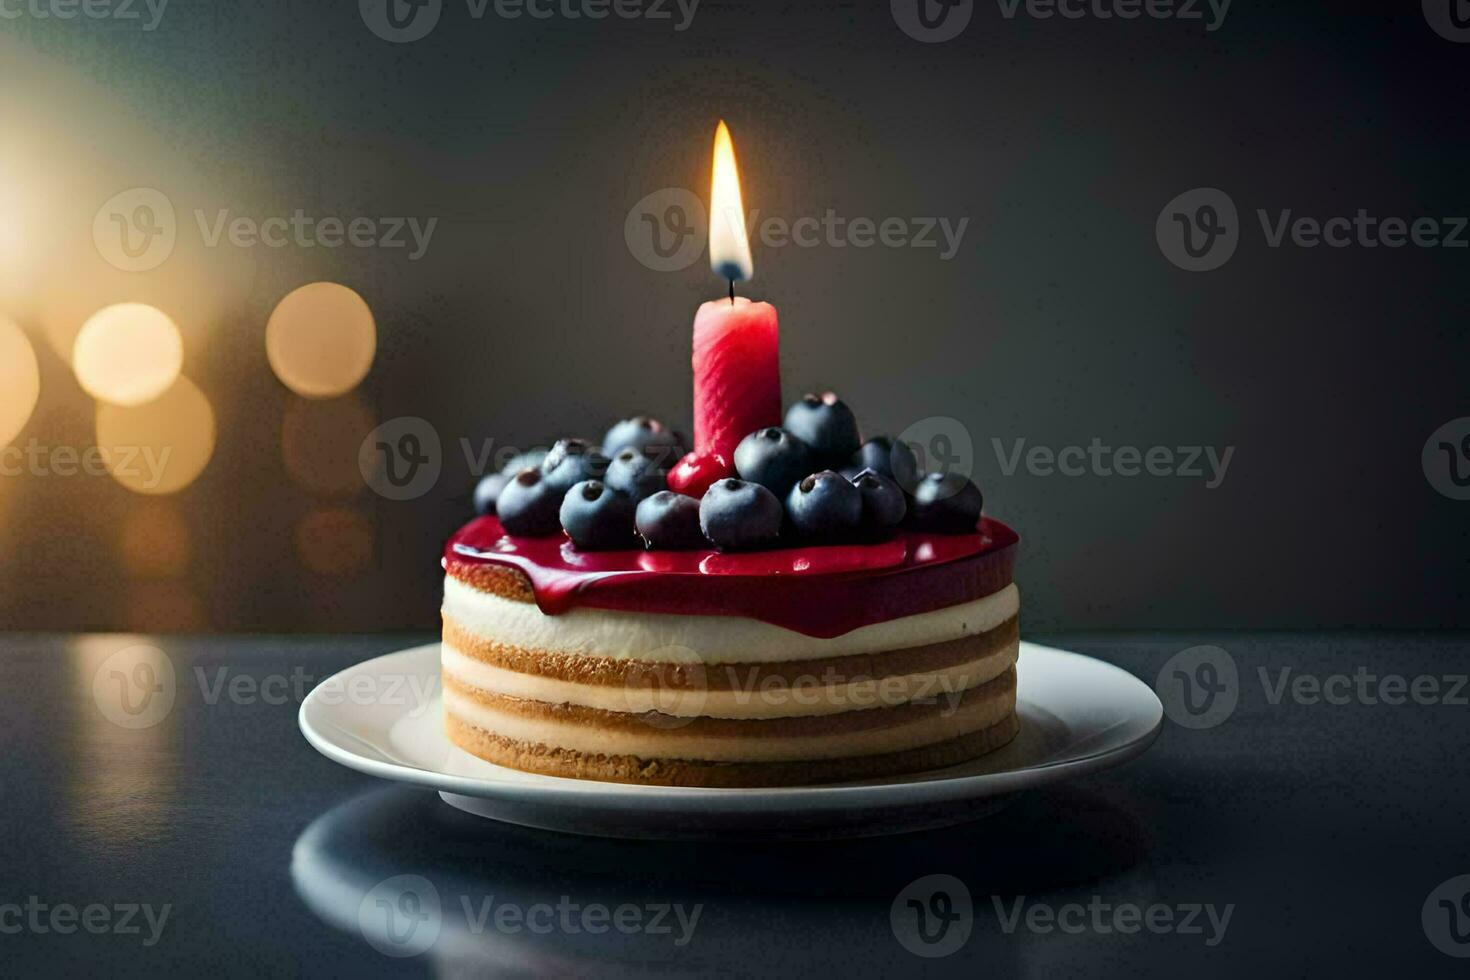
(736, 515)
(774, 458)
(670, 521)
(636, 474)
(650, 436)
(890, 458)
(825, 507)
(825, 424)
(518, 462)
(946, 502)
(571, 461)
(597, 517)
(884, 505)
(528, 505)
(487, 491)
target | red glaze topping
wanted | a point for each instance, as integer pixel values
(820, 591)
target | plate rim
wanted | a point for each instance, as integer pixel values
(544, 789)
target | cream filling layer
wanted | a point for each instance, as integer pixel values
(670, 638)
(971, 716)
(806, 696)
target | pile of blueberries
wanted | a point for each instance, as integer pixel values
(810, 481)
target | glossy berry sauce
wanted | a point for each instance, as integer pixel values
(821, 591)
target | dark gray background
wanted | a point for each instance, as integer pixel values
(1058, 321)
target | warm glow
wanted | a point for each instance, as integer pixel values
(729, 248)
(20, 381)
(128, 354)
(71, 146)
(321, 340)
(27, 191)
(160, 447)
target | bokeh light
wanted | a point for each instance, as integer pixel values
(320, 442)
(20, 381)
(160, 447)
(321, 340)
(128, 354)
(334, 541)
(154, 541)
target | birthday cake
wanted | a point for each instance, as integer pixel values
(775, 627)
(785, 604)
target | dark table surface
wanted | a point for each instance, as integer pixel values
(217, 841)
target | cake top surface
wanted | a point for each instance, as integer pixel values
(822, 590)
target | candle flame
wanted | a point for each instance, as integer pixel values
(729, 248)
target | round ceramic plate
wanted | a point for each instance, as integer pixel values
(1078, 715)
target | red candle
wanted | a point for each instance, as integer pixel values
(737, 373)
(737, 364)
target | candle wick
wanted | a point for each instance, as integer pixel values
(732, 292)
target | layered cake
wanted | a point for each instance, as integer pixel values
(608, 629)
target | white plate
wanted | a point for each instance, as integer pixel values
(1078, 715)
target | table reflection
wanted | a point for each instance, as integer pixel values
(414, 878)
